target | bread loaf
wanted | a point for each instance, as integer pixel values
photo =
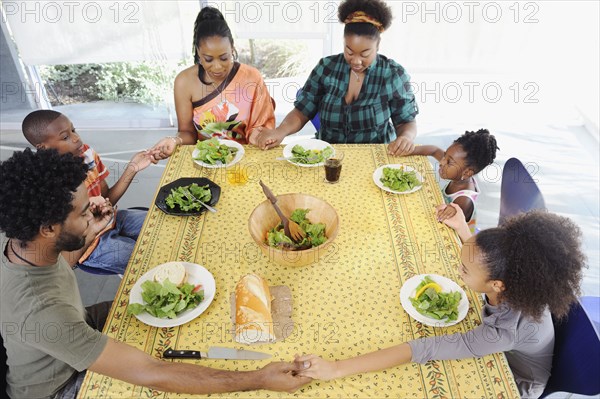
(253, 319)
(172, 271)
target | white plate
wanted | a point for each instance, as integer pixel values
(229, 143)
(196, 275)
(309, 144)
(409, 289)
(379, 173)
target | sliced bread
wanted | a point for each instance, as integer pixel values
(172, 271)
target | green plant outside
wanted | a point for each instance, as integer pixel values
(144, 82)
(151, 82)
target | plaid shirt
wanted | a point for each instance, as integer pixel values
(385, 94)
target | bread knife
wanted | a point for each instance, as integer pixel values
(215, 352)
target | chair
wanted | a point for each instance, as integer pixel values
(518, 192)
(3, 367)
(591, 304)
(576, 360)
(316, 122)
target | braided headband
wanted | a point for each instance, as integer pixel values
(361, 16)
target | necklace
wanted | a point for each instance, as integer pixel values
(355, 74)
(219, 92)
(18, 256)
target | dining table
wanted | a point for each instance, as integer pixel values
(344, 304)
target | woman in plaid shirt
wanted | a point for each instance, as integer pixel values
(361, 96)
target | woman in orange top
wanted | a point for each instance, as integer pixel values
(218, 96)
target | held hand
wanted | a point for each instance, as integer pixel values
(153, 155)
(254, 135)
(401, 146)
(163, 149)
(456, 221)
(142, 160)
(99, 222)
(96, 202)
(100, 207)
(315, 367)
(444, 212)
(282, 377)
(266, 139)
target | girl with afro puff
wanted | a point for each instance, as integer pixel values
(527, 269)
(467, 156)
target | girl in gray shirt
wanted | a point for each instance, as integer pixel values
(527, 269)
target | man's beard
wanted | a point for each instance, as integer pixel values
(69, 242)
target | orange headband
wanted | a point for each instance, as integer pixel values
(361, 16)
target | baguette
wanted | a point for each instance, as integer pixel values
(172, 271)
(253, 319)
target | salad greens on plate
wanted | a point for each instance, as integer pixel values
(315, 233)
(309, 157)
(183, 197)
(399, 180)
(167, 300)
(431, 302)
(212, 152)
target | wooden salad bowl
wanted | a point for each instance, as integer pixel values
(263, 218)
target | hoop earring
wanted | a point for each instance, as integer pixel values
(235, 55)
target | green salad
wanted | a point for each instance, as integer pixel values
(309, 157)
(183, 197)
(213, 153)
(430, 301)
(315, 233)
(167, 300)
(399, 180)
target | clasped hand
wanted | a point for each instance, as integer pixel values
(100, 207)
(315, 367)
(162, 150)
(265, 139)
(402, 146)
(102, 211)
(451, 215)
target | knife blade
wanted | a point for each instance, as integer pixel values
(215, 352)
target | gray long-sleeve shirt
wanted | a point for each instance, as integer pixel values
(528, 345)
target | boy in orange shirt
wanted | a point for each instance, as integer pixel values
(111, 247)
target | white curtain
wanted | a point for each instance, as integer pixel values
(434, 35)
(553, 44)
(543, 54)
(76, 32)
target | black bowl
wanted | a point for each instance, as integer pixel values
(165, 190)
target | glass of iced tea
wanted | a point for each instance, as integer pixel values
(333, 167)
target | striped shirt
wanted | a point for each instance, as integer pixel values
(386, 100)
(96, 171)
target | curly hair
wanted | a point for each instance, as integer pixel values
(209, 22)
(37, 190)
(538, 257)
(374, 8)
(35, 124)
(480, 147)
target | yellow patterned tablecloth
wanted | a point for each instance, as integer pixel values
(345, 305)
